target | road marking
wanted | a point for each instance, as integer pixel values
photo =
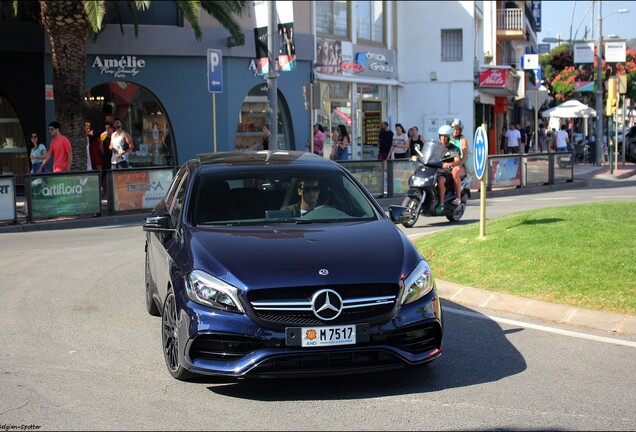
(620, 197)
(542, 328)
(554, 199)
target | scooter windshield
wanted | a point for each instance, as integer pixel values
(432, 153)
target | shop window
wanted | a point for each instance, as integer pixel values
(13, 148)
(336, 103)
(142, 116)
(254, 115)
(452, 49)
(332, 17)
(370, 21)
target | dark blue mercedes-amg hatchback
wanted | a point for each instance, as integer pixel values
(277, 264)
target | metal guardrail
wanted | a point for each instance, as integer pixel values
(387, 179)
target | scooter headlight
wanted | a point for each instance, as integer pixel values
(418, 181)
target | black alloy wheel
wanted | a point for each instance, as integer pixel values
(412, 204)
(170, 340)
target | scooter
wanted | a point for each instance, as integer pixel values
(423, 194)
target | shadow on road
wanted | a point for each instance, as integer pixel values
(476, 351)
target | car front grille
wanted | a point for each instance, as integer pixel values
(293, 306)
(223, 347)
(415, 339)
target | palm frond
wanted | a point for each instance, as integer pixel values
(224, 11)
(95, 12)
(190, 11)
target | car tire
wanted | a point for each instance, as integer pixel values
(151, 306)
(170, 340)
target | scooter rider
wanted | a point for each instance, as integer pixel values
(445, 174)
(459, 141)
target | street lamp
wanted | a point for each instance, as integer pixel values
(599, 83)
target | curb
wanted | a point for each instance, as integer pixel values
(474, 297)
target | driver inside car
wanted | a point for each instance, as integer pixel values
(309, 191)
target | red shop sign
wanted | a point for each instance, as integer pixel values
(496, 78)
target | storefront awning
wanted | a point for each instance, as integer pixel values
(358, 79)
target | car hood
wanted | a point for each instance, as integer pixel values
(294, 255)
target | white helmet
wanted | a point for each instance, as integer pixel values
(457, 123)
(445, 130)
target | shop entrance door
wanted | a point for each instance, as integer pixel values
(370, 120)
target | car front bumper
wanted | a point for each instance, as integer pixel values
(212, 342)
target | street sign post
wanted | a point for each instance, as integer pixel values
(480, 163)
(215, 71)
(215, 83)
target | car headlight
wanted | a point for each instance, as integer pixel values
(418, 283)
(210, 291)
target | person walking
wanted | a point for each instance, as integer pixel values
(541, 141)
(342, 151)
(416, 138)
(503, 140)
(513, 138)
(319, 139)
(60, 150)
(385, 141)
(121, 144)
(265, 137)
(562, 139)
(38, 153)
(401, 144)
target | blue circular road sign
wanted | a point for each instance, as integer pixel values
(480, 151)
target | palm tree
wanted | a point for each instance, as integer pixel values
(68, 25)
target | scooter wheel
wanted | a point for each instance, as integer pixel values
(413, 205)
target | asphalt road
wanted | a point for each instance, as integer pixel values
(80, 352)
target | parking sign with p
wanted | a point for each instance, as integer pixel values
(215, 71)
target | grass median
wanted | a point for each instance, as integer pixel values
(582, 255)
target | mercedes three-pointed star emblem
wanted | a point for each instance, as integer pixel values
(326, 304)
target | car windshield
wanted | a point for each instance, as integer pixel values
(256, 198)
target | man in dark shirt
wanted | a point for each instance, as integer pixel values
(385, 141)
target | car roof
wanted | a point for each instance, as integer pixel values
(263, 158)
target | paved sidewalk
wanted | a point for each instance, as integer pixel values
(599, 320)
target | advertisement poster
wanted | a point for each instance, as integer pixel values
(286, 43)
(137, 190)
(7, 199)
(65, 195)
(369, 174)
(402, 171)
(506, 172)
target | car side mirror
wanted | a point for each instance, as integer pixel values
(398, 214)
(158, 223)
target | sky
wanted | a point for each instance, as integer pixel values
(557, 17)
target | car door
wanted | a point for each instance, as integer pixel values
(162, 245)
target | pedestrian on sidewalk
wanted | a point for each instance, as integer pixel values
(38, 153)
(60, 150)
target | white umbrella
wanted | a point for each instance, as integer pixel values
(570, 109)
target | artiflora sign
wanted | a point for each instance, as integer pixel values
(119, 67)
(65, 195)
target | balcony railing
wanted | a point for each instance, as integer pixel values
(510, 19)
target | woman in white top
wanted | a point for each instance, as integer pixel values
(401, 143)
(38, 153)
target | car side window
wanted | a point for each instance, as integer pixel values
(174, 186)
(179, 198)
